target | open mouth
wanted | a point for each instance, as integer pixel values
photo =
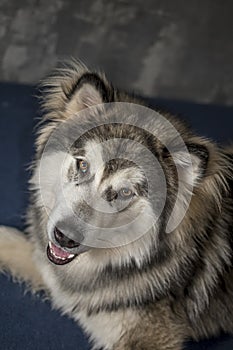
(57, 254)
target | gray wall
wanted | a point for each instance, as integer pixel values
(171, 48)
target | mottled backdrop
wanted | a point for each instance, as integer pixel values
(171, 48)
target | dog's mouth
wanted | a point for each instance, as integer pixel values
(58, 254)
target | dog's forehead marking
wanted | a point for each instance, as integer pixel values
(94, 150)
(107, 170)
(122, 177)
(94, 154)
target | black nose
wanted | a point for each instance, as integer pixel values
(63, 240)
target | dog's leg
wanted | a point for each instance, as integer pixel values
(16, 258)
(162, 342)
(157, 329)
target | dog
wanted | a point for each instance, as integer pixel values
(130, 219)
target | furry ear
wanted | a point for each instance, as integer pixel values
(191, 167)
(72, 88)
(88, 91)
(192, 164)
(67, 91)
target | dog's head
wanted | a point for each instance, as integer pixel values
(112, 175)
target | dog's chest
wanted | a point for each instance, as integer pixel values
(105, 328)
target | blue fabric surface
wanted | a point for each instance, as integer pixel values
(26, 322)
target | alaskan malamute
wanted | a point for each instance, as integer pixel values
(130, 222)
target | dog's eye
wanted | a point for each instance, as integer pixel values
(83, 166)
(126, 192)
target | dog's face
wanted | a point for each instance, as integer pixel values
(99, 196)
(109, 176)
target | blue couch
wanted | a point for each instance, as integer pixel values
(27, 322)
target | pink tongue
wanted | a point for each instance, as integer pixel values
(58, 251)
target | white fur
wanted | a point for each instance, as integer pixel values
(16, 257)
(105, 328)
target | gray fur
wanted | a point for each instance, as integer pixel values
(161, 289)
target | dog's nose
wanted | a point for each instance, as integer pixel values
(63, 240)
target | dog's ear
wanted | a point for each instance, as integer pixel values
(69, 90)
(192, 164)
(89, 90)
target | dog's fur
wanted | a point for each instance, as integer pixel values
(161, 289)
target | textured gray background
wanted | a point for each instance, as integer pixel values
(171, 48)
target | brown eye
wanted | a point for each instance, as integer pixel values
(83, 166)
(126, 193)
